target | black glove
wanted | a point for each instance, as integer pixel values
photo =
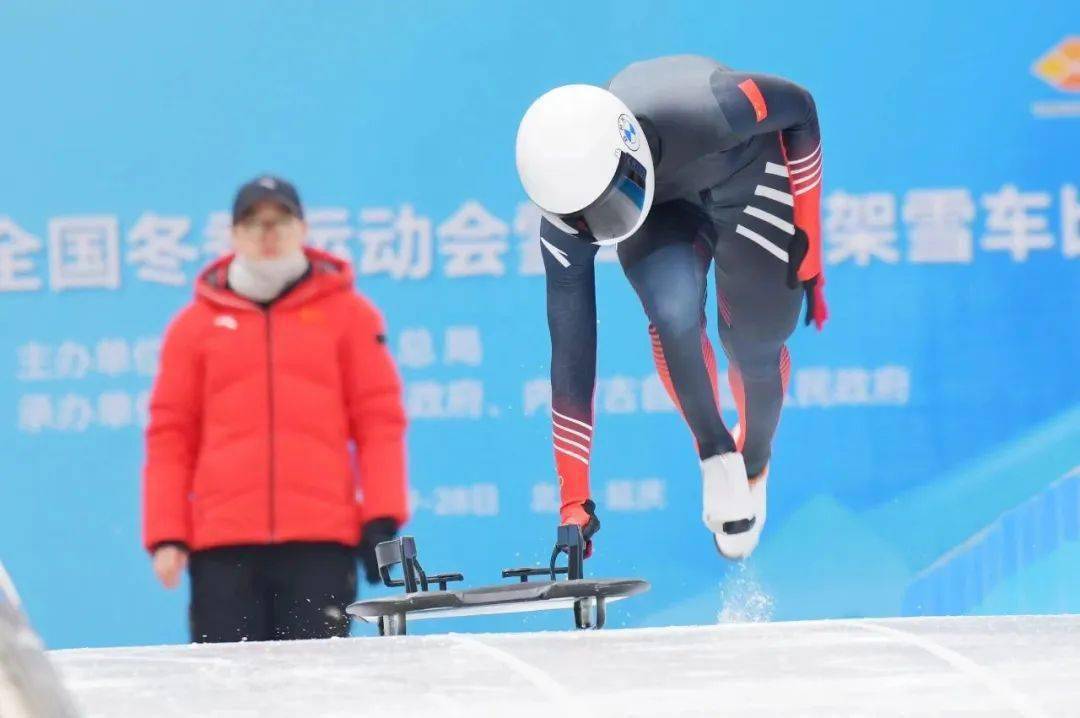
(590, 525)
(797, 251)
(590, 528)
(800, 245)
(372, 534)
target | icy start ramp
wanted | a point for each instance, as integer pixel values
(1000, 666)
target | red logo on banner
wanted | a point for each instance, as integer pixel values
(1061, 66)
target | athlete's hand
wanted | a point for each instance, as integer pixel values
(169, 562)
(583, 515)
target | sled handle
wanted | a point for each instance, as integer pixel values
(403, 551)
(525, 572)
(569, 540)
(398, 551)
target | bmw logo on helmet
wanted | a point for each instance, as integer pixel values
(628, 133)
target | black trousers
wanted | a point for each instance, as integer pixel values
(275, 592)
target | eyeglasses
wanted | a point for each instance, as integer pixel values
(262, 226)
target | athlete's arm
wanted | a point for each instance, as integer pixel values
(754, 104)
(571, 310)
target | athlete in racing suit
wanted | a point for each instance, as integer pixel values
(738, 179)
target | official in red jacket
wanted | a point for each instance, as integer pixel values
(276, 443)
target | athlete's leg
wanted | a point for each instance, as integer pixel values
(757, 309)
(667, 263)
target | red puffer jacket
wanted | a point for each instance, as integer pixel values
(254, 409)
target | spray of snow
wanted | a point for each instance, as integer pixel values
(742, 597)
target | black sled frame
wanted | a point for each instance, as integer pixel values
(588, 598)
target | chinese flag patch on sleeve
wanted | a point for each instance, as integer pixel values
(750, 89)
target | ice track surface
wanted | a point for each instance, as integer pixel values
(1000, 666)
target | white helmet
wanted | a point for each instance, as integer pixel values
(584, 160)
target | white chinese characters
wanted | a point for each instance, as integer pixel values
(939, 228)
(17, 266)
(398, 244)
(473, 241)
(1013, 224)
(861, 228)
(84, 252)
(157, 249)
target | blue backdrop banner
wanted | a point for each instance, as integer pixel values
(927, 460)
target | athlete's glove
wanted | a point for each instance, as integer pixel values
(583, 515)
(816, 310)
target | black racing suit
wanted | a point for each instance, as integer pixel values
(738, 175)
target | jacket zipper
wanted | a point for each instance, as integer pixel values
(270, 405)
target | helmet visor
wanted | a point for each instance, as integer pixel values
(615, 212)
